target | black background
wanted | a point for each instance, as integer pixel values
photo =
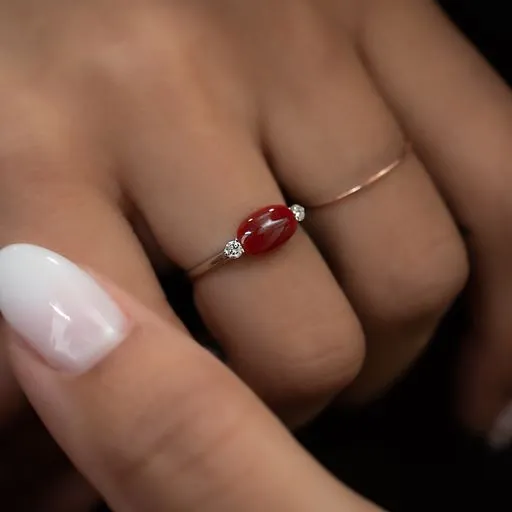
(407, 451)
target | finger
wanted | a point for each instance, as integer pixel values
(57, 188)
(183, 433)
(460, 116)
(195, 186)
(394, 248)
(53, 190)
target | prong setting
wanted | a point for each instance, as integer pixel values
(298, 211)
(233, 250)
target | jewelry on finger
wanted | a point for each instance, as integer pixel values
(261, 232)
(272, 226)
(374, 178)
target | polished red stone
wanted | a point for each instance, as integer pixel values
(267, 229)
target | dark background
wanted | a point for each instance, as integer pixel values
(407, 452)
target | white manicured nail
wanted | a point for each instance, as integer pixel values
(57, 308)
(500, 436)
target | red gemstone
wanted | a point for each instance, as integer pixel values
(267, 229)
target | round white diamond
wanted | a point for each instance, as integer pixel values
(233, 250)
(298, 211)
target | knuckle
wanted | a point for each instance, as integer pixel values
(177, 433)
(145, 72)
(127, 63)
(322, 363)
(426, 287)
(136, 50)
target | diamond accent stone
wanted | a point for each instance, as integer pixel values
(298, 211)
(233, 250)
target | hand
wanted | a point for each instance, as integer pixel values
(165, 112)
(151, 419)
(183, 118)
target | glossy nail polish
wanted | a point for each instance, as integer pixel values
(57, 308)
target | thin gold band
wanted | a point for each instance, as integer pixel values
(234, 249)
(215, 261)
(370, 181)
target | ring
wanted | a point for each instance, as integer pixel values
(272, 226)
(261, 232)
(370, 181)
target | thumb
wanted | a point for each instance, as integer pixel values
(154, 421)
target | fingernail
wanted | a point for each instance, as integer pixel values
(57, 308)
(500, 436)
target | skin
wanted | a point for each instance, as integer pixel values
(200, 440)
(180, 118)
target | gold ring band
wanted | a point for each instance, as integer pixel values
(370, 181)
(273, 225)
